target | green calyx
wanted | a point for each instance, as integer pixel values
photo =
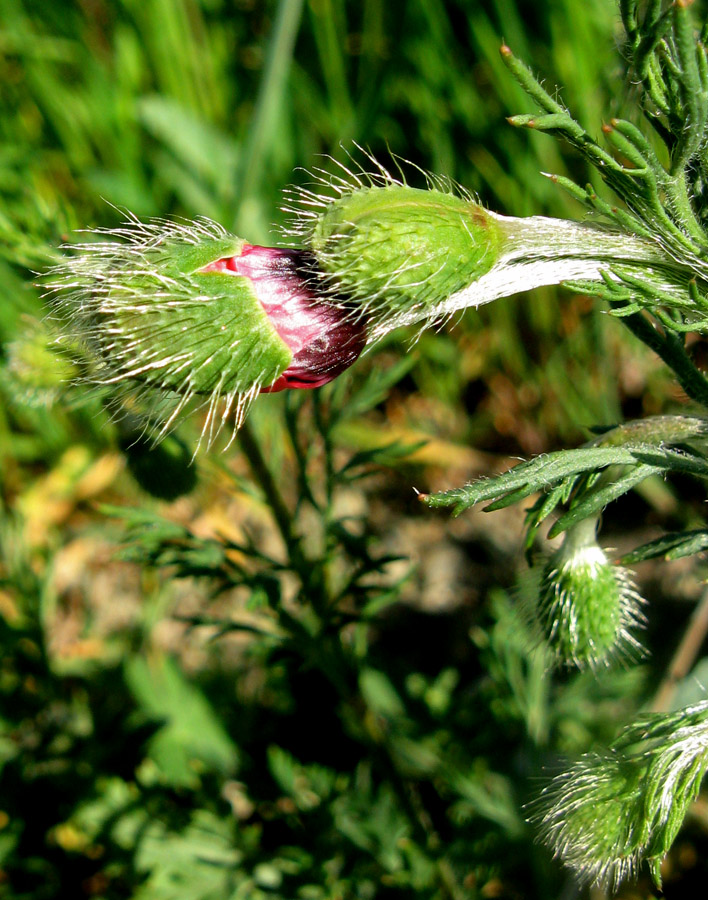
(176, 327)
(167, 318)
(580, 610)
(395, 248)
(586, 607)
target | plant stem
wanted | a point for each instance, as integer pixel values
(669, 348)
(252, 451)
(325, 651)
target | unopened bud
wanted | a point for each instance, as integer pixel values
(322, 338)
(613, 810)
(586, 607)
(400, 251)
(407, 256)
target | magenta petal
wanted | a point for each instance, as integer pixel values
(322, 335)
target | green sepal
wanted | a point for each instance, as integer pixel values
(209, 333)
(396, 248)
(246, 349)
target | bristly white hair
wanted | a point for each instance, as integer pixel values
(99, 282)
(613, 810)
(305, 205)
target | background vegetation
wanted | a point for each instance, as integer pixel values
(305, 686)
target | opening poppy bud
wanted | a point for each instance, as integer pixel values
(322, 338)
(189, 310)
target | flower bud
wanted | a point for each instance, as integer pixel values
(402, 249)
(586, 606)
(615, 809)
(189, 310)
(407, 256)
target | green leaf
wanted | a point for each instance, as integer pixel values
(642, 449)
(195, 863)
(380, 694)
(192, 737)
(671, 546)
(595, 501)
(531, 476)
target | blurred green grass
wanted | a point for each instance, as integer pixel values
(208, 107)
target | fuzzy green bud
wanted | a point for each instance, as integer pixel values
(406, 256)
(586, 606)
(612, 810)
(403, 248)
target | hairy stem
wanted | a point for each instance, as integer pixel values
(539, 251)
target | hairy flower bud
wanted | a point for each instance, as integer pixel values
(408, 248)
(396, 251)
(586, 607)
(189, 310)
(409, 256)
(612, 810)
